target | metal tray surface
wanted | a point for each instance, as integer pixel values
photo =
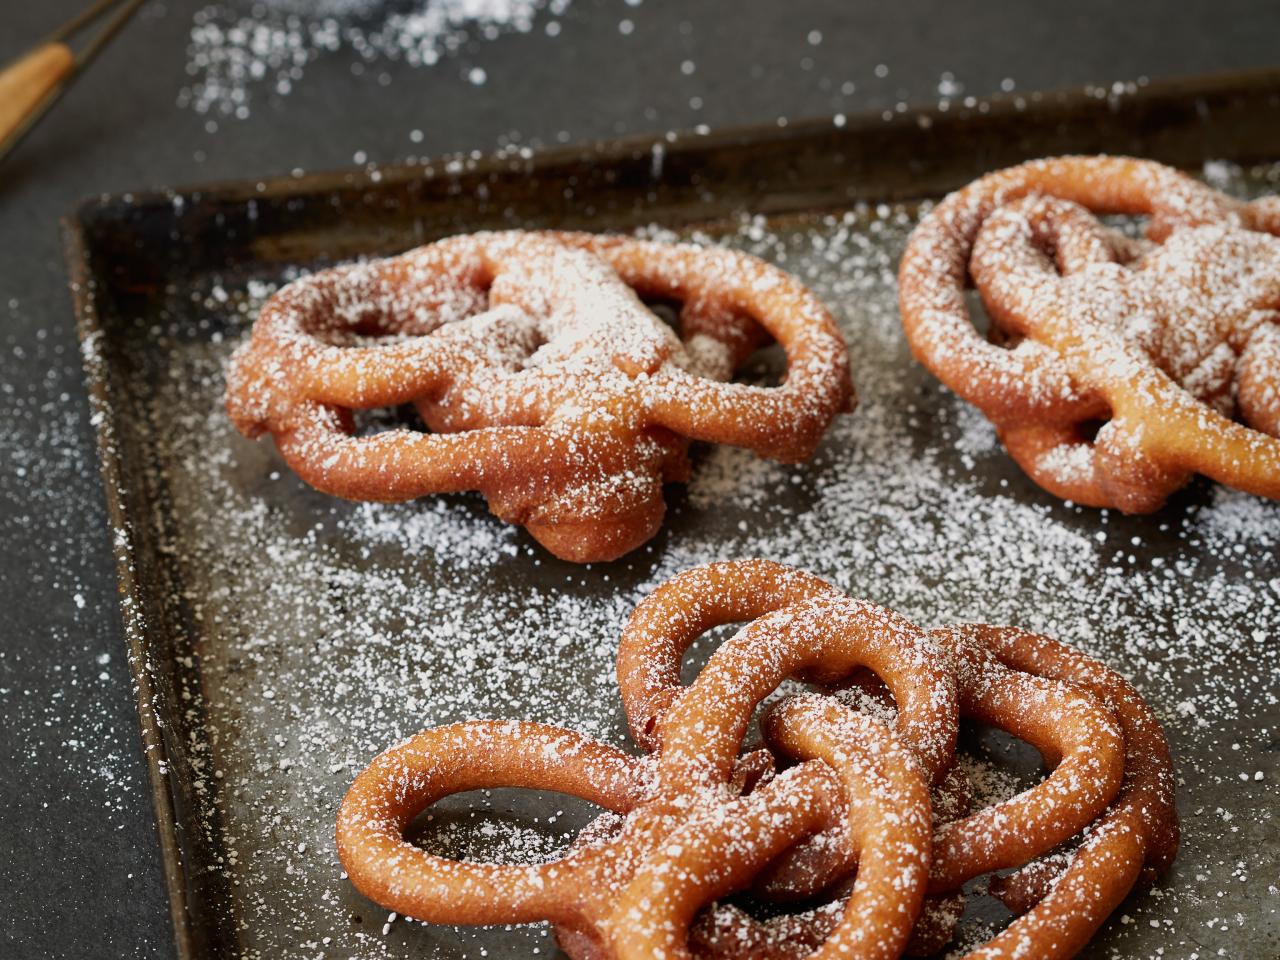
(280, 638)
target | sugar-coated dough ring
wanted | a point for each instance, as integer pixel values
(1166, 339)
(704, 727)
(1263, 214)
(1258, 379)
(781, 420)
(1136, 837)
(1026, 382)
(711, 855)
(406, 779)
(1069, 727)
(823, 862)
(547, 383)
(1161, 429)
(886, 813)
(810, 868)
(726, 931)
(694, 820)
(1149, 779)
(683, 608)
(1094, 471)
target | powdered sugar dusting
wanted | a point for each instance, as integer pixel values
(236, 56)
(1235, 522)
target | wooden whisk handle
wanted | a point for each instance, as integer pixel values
(29, 85)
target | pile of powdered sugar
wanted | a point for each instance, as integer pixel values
(239, 52)
(320, 632)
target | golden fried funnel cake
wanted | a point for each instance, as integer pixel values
(1124, 366)
(835, 803)
(546, 382)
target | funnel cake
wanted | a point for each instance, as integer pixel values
(836, 802)
(546, 382)
(1122, 366)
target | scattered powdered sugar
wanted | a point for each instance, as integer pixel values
(474, 546)
(976, 435)
(236, 54)
(64, 749)
(310, 633)
(1235, 522)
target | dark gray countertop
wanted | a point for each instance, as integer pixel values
(75, 822)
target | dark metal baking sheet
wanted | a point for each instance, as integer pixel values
(280, 638)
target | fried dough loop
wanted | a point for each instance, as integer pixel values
(1122, 366)
(835, 804)
(546, 382)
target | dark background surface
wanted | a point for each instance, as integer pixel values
(77, 840)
